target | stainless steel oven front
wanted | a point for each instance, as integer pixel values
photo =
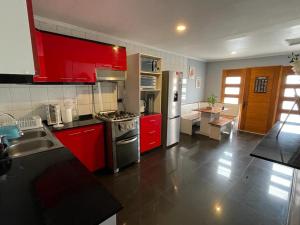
(123, 143)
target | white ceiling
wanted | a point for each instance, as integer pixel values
(215, 27)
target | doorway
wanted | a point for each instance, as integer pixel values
(258, 97)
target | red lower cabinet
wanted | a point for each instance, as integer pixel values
(86, 143)
(150, 132)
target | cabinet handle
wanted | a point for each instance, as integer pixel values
(81, 78)
(73, 134)
(65, 78)
(90, 130)
(152, 120)
(152, 143)
(152, 132)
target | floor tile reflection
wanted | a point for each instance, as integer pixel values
(202, 181)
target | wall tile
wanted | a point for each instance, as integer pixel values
(20, 98)
(84, 109)
(39, 94)
(5, 100)
(84, 95)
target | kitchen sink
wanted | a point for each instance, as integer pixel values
(29, 147)
(33, 141)
(33, 134)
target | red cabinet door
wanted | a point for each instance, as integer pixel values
(68, 59)
(150, 132)
(93, 147)
(57, 58)
(119, 59)
(83, 61)
(111, 57)
(41, 75)
(86, 143)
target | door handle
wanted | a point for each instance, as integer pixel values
(127, 141)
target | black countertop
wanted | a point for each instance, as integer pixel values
(77, 123)
(284, 150)
(53, 188)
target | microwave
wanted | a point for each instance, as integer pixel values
(148, 82)
(150, 65)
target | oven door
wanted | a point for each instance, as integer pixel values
(127, 151)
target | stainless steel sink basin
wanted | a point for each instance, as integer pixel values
(29, 147)
(33, 134)
(33, 141)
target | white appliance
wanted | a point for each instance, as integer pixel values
(171, 107)
(54, 115)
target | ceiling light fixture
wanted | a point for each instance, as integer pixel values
(181, 28)
(233, 53)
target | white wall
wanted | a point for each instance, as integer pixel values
(214, 70)
(27, 100)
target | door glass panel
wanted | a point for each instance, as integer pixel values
(233, 80)
(232, 90)
(231, 100)
(288, 105)
(293, 118)
(290, 92)
(293, 79)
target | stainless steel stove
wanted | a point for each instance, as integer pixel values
(122, 138)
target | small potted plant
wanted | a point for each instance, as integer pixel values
(295, 63)
(211, 101)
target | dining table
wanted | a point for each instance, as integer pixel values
(208, 115)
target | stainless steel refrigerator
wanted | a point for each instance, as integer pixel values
(171, 107)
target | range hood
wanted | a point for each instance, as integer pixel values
(110, 75)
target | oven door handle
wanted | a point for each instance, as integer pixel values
(127, 141)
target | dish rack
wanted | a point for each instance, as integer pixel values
(30, 123)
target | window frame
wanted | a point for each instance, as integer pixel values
(234, 73)
(286, 71)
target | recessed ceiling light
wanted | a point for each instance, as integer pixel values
(181, 28)
(233, 53)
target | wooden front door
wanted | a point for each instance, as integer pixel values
(260, 100)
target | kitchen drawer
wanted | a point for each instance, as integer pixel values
(150, 132)
(149, 123)
(149, 142)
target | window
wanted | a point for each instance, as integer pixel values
(290, 87)
(232, 86)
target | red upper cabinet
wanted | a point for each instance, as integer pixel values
(111, 57)
(69, 59)
(58, 65)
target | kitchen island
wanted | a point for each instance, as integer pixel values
(53, 188)
(284, 150)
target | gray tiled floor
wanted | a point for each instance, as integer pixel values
(202, 181)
